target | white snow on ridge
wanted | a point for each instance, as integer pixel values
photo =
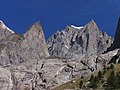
(76, 27)
(3, 26)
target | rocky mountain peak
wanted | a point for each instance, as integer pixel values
(73, 42)
(36, 26)
(25, 63)
(35, 34)
(34, 38)
(91, 25)
(30, 46)
(92, 21)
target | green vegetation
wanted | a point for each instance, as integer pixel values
(111, 66)
(111, 81)
(108, 79)
(100, 76)
(93, 82)
(81, 84)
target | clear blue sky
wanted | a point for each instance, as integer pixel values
(56, 14)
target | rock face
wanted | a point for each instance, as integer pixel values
(116, 43)
(31, 46)
(115, 58)
(4, 31)
(35, 40)
(76, 42)
(25, 63)
(5, 79)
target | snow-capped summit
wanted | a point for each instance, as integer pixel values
(3, 26)
(76, 27)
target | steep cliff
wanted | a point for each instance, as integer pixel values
(76, 42)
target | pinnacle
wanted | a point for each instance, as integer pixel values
(91, 25)
(92, 22)
(36, 25)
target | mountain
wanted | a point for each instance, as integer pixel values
(76, 42)
(16, 49)
(27, 62)
(108, 64)
(108, 78)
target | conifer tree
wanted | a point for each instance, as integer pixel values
(111, 81)
(100, 75)
(93, 82)
(80, 84)
(111, 66)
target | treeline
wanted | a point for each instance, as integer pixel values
(99, 81)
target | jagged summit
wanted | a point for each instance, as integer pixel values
(91, 25)
(36, 25)
(72, 43)
(35, 38)
(92, 21)
(30, 67)
(3, 26)
(20, 48)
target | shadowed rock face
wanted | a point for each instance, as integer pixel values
(75, 43)
(116, 42)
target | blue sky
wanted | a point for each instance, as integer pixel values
(56, 14)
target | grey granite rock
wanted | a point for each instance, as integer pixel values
(25, 63)
(74, 42)
(31, 46)
(4, 31)
(6, 82)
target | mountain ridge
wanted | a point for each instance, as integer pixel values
(70, 35)
(29, 63)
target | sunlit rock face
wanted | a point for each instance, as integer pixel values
(4, 30)
(76, 42)
(16, 49)
(25, 63)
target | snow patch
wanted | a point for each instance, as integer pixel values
(3, 26)
(76, 27)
